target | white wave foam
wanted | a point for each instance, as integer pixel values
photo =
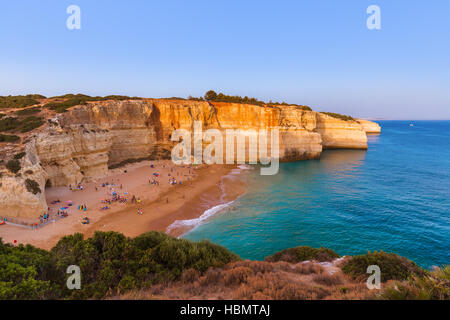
(197, 221)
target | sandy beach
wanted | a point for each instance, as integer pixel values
(157, 206)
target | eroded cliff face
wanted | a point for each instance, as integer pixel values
(340, 134)
(85, 141)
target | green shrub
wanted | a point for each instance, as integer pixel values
(19, 101)
(30, 123)
(9, 138)
(118, 97)
(9, 123)
(32, 186)
(29, 111)
(13, 165)
(272, 104)
(435, 286)
(338, 116)
(303, 253)
(23, 270)
(109, 263)
(392, 266)
(20, 155)
(27, 124)
(80, 99)
(211, 95)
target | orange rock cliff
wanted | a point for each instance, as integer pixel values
(82, 143)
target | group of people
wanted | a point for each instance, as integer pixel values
(135, 200)
(44, 217)
(59, 214)
(173, 181)
(79, 187)
(114, 196)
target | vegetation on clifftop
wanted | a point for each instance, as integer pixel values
(339, 116)
(211, 95)
(394, 266)
(8, 102)
(299, 254)
(80, 99)
(9, 138)
(23, 125)
(112, 264)
(432, 286)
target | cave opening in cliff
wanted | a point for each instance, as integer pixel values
(48, 184)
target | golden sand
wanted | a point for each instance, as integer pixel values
(202, 187)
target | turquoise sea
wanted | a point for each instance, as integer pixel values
(393, 197)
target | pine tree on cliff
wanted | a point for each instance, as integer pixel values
(210, 95)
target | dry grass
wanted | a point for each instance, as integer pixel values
(259, 280)
(329, 279)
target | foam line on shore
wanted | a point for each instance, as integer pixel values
(193, 223)
(197, 221)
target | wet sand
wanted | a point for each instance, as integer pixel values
(202, 188)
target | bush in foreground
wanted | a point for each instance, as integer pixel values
(435, 286)
(300, 254)
(110, 263)
(392, 266)
(22, 273)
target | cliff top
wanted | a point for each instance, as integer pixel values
(21, 116)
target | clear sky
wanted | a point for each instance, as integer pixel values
(319, 53)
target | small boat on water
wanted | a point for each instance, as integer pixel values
(411, 125)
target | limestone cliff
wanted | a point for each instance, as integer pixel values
(340, 134)
(85, 141)
(370, 126)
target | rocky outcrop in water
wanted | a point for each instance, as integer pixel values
(370, 126)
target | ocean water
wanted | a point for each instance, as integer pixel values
(393, 197)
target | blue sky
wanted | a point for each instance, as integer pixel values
(319, 53)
